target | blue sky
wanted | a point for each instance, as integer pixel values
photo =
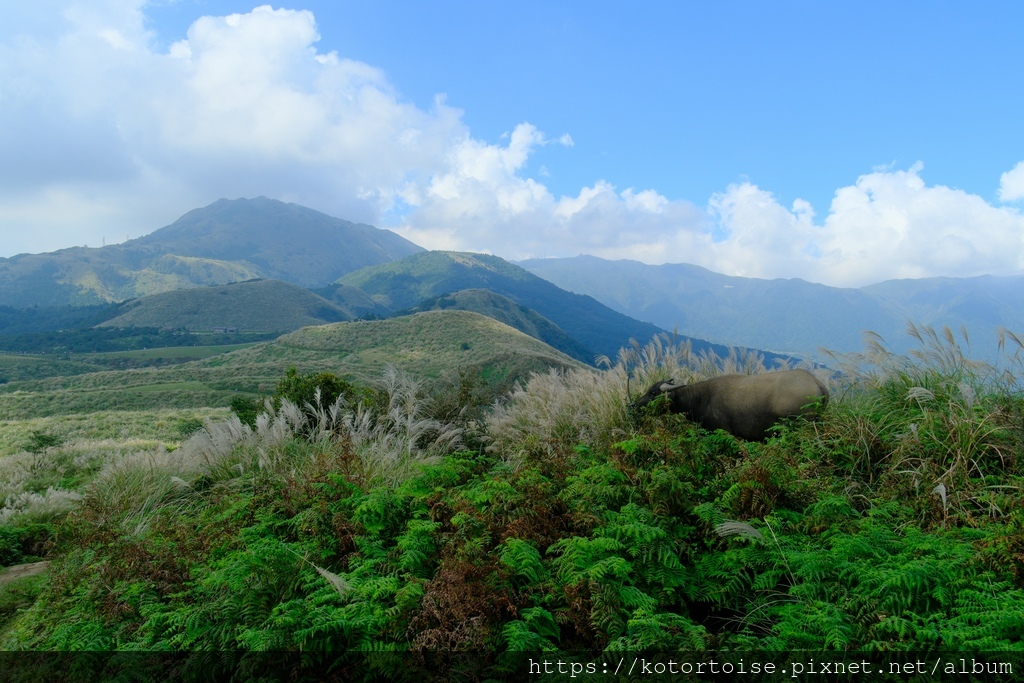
(844, 143)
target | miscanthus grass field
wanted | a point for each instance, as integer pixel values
(334, 519)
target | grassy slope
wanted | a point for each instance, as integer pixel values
(82, 276)
(18, 368)
(510, 313)
(406, 283)
(260, 305)
(429, 345)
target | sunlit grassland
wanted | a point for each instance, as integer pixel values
(46, 462)
(23, 367)
(429, 345)
(168, 426)
(172, 352)
(15, 368)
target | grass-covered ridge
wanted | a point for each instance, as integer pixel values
(514, 315)
(446, 340)
(413, 279)
(256, 305)
(561, 521)
(436, 345)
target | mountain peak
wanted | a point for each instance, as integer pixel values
(229, 240)
(283, 241)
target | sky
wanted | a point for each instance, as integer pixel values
(841, 142)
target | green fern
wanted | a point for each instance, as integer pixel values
(535, 631)
(523, 561)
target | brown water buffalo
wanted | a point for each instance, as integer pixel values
(746, 406)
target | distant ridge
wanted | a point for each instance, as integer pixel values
(792, 316)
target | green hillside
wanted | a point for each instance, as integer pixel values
(435, 345)
(258, 305)
(83, 276)
(405, 283)
(430, 344)
(514, 315)
(354, 300)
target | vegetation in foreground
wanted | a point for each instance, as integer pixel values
(558, 521)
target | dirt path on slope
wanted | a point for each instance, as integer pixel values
(20, 571)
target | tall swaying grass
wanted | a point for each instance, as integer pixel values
(592, 407)
(934, 421)
(391, 446)
(29, 507)
(43, 485)
(385, 446)
(934, 426)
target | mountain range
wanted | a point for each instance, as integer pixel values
(262, 264)
(792, 316)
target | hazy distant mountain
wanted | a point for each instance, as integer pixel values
(403, 284)
(510, 313)
(228, 241)
(789, 316)
(981, 304)
(254, 306)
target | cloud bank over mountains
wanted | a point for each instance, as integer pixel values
(106, 135)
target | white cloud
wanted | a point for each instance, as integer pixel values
(889, 224)
(244, 106)
(111, 137)
(1011, 184)
(893, 225)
